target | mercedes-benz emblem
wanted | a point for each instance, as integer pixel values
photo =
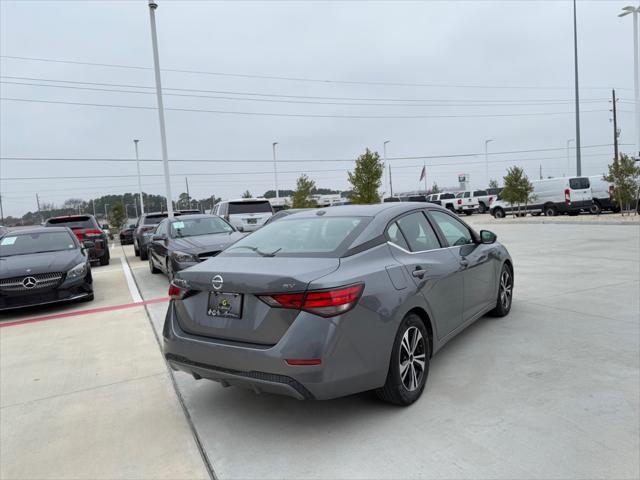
(29, 282)
(216, 282)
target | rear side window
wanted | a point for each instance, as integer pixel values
(73, 222)
(479, 193)
(579, 183)
(396, 237)
(156, 219)
(249, 207)
(419, 234)
(445, 196)
(453, 230)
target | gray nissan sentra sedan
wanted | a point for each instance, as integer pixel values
(330, 302)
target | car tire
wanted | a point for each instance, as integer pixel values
(505, 292)
(144, 254)
(136, 250)
(550, 211)
(152, 267)
(104, 259)
(499, 213)
(482, 208)
(595, 209)
(410, 348)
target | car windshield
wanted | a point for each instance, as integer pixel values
(310, 236)
(26, 243)
(72, 222)
(262, 206)
(156, 219)
(190, 227)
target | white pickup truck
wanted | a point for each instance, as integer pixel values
(466, 203)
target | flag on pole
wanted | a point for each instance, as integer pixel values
(424, 173)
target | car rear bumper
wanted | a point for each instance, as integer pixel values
(263, 368)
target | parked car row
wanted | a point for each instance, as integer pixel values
(466, 201)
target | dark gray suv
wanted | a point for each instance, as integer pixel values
(330, 302)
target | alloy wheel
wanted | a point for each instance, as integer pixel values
(506, 288)
(412, 359)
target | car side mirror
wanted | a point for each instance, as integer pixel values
(88, 244)
(487, 237)
(240, 228)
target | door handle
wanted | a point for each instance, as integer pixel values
(419, 272)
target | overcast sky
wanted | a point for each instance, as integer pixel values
(469, 70)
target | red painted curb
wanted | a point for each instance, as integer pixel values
(75, 313)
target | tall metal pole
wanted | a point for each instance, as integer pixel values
(93, 203)
(38, 202)
(186, 181)
(569, 157)
(163, 134)
(275, 169)
(486, 158)
(105, 210)
(384, 159)
(575, 64)
(135, 142)
(636, 80)
(424, 165)
(615, 126)
(1, 212)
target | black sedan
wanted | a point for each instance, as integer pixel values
(43, 265)
(182, 242)
(126, 234)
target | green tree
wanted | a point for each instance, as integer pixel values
(517, 188)
(246, 194)
(302, 195)
(435, 188)
(117, 217)
(366, 178)
(493, 183)
(625, 176)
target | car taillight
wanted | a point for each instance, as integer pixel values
(175, 292)
(567, 195)
(92, 232)
(459, 201)
(325, 303)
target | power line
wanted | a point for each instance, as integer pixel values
(299, 115)
(296, 79)
(309, 160)
(117, 88)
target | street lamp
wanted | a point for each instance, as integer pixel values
(105, 210)
(163, 134)
(135, 142)
(577, 95)
(486, 158)
(636, 65)
(275, 168)
(569, 157)
(384, 158)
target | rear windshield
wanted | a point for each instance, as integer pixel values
(26, 243)
(73, 222)
(447, 195)
(156, 219)
(250, 207)
(191, 227)
(305, 237)
(579, 183)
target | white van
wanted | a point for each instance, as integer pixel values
(552, 196)
(245, 214)
(602, 192)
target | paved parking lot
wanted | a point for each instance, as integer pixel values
(551, 391)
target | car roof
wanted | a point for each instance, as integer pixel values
(236, 200)
(193, 215)
(393, 208)
(70, 217)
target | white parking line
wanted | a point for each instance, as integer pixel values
(133, 288)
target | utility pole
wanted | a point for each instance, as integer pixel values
(577, 94)
(135, 142)
(384, 158)
(38, 203)
(105, 211)
(636, 67)
(424, 165)
(390, 181)
(615, 126)
(186, 181)
(163, 134)
(275, 169)
(93, 203)
(540, 171)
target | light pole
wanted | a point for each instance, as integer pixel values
(486, 157)
(636, 66)
(569, 157)
(384, 158)
(163, 134)
(135, 142)
(577, 94)
(105, 210)
(275, 169)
